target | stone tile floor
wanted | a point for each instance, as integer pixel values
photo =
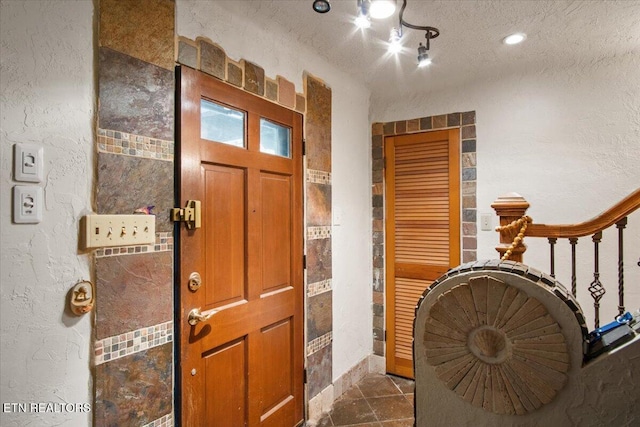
(377, 401)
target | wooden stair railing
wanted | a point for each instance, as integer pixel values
(515, 225)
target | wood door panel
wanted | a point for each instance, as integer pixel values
(244, 318)
(229, 155)
(226, 384)
(277, 349)
(417, 271)
(422, 229)
(282, 415)
(276, 231)
(225, 234)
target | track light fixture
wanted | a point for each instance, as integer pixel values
(374, 8)
(321, 6)
(430, 33)
(380, 9)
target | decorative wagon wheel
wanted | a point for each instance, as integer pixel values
(496, 347)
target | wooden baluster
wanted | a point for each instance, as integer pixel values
(510, 207)
(552, 245)
(621, 225)
(596, 288)
(573, 241)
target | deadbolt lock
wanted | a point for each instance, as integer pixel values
(190, 214)
(195, 281)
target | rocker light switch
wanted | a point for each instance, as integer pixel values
(28, 162)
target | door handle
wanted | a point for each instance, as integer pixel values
(195, 316)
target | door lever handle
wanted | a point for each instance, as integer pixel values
(195, 316)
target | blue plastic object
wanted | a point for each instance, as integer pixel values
(623, 319)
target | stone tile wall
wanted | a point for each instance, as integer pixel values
(204, 55)
(466, 122)
(133, 348)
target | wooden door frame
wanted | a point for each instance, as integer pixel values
(455, 205)
(178, 282)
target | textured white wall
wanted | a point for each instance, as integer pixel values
(279, 53)
(568, 140)
(47, 98)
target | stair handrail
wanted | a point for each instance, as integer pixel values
(601, 222)
(515, 225)
(512, 207)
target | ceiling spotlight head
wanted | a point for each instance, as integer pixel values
(423, 56)
(321, 6)
(362, 20)
(381, 9)
(395, 38)
(514, 38)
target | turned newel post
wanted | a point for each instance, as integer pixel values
(511, 208)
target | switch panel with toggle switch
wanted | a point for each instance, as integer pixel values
(102, 231)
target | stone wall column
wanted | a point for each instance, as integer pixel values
(133, 348)
(319, 272)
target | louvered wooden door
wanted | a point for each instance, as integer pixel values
(422, 181)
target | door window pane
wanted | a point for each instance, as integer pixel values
(275, 139)
(221, 124)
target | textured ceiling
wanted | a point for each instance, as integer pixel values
(559, 34)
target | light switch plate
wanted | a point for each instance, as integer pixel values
(27, 204)
(28, 163)
(101, 231)
(486, 221)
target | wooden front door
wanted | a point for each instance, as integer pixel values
(422, 179)
(241, 363)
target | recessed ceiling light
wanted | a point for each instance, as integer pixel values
(321, 6)
(514, 38)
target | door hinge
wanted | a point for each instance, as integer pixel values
(304, 262)
(190, 214)
(304, 147)
(304, 376)
(384, 163)
(384, 336)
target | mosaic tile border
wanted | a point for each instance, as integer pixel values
(319, 287)
(318, 177)
(166, 421)
(128, 144)
(322, 232)
(319, 343)
(115, 347)
(164, 243)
